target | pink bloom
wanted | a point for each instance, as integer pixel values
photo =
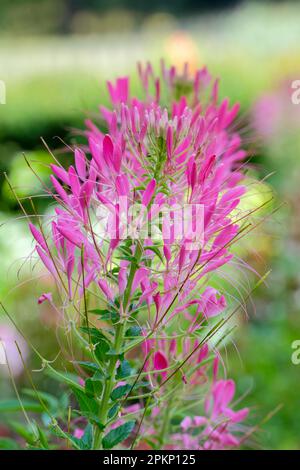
(78, 433)
(45, 297)
(9, 352)
(156, 160)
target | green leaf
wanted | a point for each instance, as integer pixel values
(124, 370)
(42, 437)
(93, 385)
(70, 379)
(95, 334)
(120, 391)
(86, 403)
(111, 315)
(133, 331)
(101, 350)
(86, 442)
(90, 366)
(64, 435)
(113, 410)
(94, 420)
(10, 406)
(47, 398)
(117, 435)
(155, 250)
(98, 311)
(22, 431)
(8, 444)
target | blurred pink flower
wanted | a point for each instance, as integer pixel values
(78, 433)
(45, 297)
(8, 338)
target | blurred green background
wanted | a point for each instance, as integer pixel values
(54, 59)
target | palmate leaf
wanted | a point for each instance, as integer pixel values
(100, 341)
(101, 350)
(120, 391)
(86, 403)
(124, 370)
(94, 419)
(93, 385)
(118, 435)
(133, 331)
(114, 410)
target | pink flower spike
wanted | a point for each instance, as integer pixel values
(45, 297)
(148, 193)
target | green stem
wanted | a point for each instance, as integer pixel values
(109, 384)
(133, 268)
(165, 424)
(119, 339)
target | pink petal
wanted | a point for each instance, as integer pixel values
(108, 148)
(160, 362)
(45, 297)
(60, 173)
(38, 236)
(80, 163)
(106, 289)
(148, 193)
(186, 423)
(59, 189)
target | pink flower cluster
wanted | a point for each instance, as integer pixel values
(175, 146)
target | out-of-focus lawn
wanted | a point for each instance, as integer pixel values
(54, 84)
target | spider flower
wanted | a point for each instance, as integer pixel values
(144, 217)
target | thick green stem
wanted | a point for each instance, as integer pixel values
(119, 339)
(109, 384)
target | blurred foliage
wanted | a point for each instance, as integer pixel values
(65, 16)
